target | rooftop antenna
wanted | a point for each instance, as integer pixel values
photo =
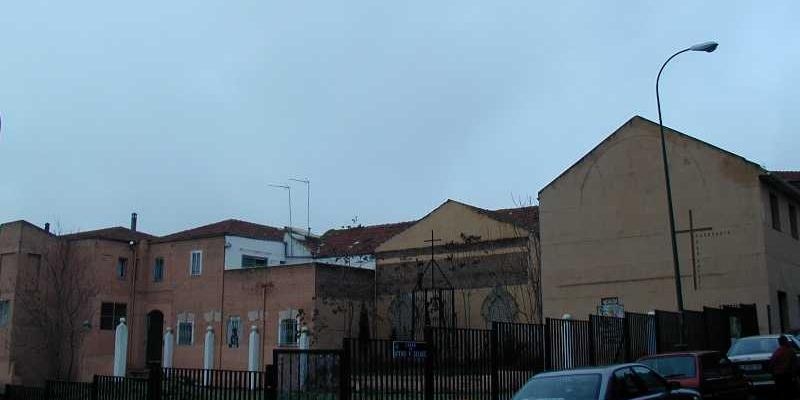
(308, 201)
(289, 190)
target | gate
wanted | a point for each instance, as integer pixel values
(308, 374)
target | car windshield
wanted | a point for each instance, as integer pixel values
(753, 346)
(672, 367)
(567, 387)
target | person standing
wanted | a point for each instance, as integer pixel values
(782, 365)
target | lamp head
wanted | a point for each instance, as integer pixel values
(708, 47)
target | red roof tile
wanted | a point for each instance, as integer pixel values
(357, 240)
(792, 177)
(232, 227)
(524, 217)
(116, 233)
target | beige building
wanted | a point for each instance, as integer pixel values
(605, 229)
(485, 270)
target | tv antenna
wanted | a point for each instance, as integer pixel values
(288, 190)
(308, 200)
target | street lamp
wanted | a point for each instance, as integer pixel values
(708, 47)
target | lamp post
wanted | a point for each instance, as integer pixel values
(708, 47)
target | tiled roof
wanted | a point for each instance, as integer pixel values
(524, 217)
(232, 227)
(116, 233)
(357, 240)
(792, 177)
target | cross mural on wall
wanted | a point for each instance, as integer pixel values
(691, 231)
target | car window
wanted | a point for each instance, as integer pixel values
(567, 387)
(673, 367)
(624, 385)
(653, 383)
(755, 345)
(716, 365)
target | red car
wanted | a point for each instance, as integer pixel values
(708, 372)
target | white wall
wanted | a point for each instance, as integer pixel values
(236, 246)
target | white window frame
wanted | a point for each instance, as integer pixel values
(199, 254)
(191, 340)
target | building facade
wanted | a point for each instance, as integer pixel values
(459, 266)
(230, 278)
(605, 231)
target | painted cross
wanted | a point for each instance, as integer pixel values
(691, 231)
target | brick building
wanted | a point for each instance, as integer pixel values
(231, 276)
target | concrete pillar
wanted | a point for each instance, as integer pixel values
(652, 346)
(567, 341)
(169, 348)
(208, 355)
(302, 344)
(254, 355)
(120, 348)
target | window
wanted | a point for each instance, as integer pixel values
(234, 331)
(122, 268)
(624, 384)
(158, 270)
(673, 367)
(288, 332)
(793, 221)
(253, 261)
(110, 314)
(776, 211)
(185, 333)
(196, 264)
(650, 381)
(5, 312)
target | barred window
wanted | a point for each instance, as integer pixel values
(122, 268)
(185, 333)
(196, 264)
(234, 331)
(288, 332)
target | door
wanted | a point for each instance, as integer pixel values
(154, 339)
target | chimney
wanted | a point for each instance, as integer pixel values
(47, 227)
(133, 221)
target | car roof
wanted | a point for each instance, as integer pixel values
(680, 353)
(605, 370)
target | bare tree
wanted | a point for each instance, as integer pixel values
(55, 300)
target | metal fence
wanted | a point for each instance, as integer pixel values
(307, 374)
(449, 364)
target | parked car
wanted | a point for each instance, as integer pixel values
(626, 381)
(709, 372)
(752, 354)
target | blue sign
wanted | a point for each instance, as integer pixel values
(408, 349)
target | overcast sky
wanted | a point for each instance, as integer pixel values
(184, 111)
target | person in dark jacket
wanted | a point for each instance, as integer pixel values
(782, 365)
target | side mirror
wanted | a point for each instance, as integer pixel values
(725, 362)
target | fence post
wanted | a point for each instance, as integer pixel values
(495, 363)
(95, 388)
(344, 371)
(548, 358)
(48, 393)
(626, 338)
(154, 383)
(592, 355)
(270, 379)
(429, 363)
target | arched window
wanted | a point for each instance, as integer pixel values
(499, 306)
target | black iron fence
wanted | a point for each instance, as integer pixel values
(449, 364)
